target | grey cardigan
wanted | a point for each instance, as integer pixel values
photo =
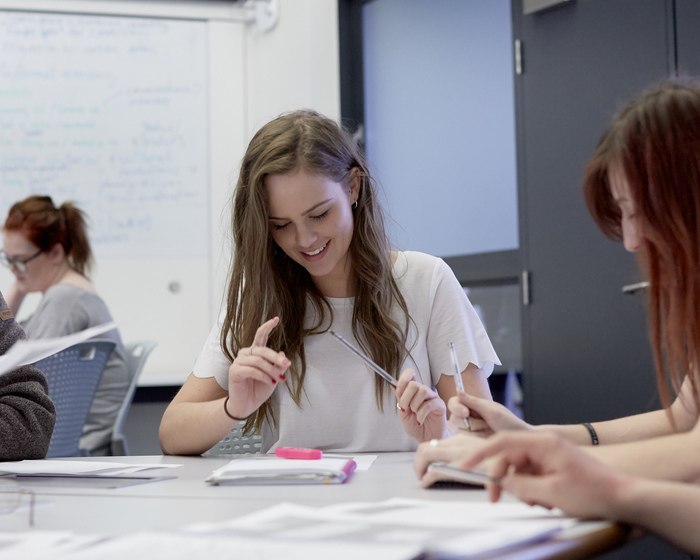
(27, 415)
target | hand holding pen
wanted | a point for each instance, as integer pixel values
(423, 412)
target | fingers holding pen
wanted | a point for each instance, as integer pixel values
(462, 419)
(485, 416)
(413, 397)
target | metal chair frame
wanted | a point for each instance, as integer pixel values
(137, 353)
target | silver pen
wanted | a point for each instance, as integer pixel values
(381, 372)
(458, 379)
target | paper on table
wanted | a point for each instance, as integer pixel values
(460, 529)
(363, 462)
(25, 352)
(178, 546)
(41, 545)
(77, 468)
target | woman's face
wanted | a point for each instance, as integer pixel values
(620, 190)
(311, 219)
(33, 277)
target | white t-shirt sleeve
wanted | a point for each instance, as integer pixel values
(212, 362)
(454, 319)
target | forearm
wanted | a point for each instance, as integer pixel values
(191, 428)
(631, 428)
(27, 415)
(667, 508)
(672, 457)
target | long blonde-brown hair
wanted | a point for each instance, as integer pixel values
(655, 142)
(264, 282)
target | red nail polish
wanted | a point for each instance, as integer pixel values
(417, 422)
(273, 381)
(283, 378)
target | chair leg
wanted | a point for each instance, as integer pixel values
(119, 446)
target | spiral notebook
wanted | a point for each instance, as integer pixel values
(274, 470)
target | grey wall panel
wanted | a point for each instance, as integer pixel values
(586, 351)
(688, 36)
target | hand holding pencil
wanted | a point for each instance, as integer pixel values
(423, 413)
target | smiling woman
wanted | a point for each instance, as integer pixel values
(311, 255)
(316, 235)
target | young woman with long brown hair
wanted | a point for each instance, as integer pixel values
(310, 254)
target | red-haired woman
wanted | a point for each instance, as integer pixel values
(48, 251)
(642, 186)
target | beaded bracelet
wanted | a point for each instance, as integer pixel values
(591, 430)
(231, 416)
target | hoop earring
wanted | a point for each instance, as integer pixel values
(354, 205)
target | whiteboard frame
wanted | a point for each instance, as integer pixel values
(236, 11)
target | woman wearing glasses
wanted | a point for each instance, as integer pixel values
(48, 251)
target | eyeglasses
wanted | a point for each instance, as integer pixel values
(14, 498)
(20, 265)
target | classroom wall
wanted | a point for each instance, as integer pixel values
(295, 65)
(254, 76)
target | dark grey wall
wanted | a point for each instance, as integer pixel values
(687, 36)
(586, 351)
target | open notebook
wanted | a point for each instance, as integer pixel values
(274, 470)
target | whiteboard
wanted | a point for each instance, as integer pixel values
(114, 114)
(110, 112)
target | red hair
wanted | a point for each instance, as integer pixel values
(655, 142)
(38, 220)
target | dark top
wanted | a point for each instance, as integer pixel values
(27, 414)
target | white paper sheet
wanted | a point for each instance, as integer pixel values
(77, 468)
(462, 529)
(172, 546)
(25, 352)
(363, 462)
(386, 530)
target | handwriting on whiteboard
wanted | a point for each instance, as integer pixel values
(110, 112)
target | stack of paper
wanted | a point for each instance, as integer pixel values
(274, 470)
(438, 528)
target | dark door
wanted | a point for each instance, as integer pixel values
(688, 36)
(585, 344)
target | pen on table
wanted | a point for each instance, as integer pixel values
(458, 379)
(381, 372)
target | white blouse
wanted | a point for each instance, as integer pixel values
(339, 410)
